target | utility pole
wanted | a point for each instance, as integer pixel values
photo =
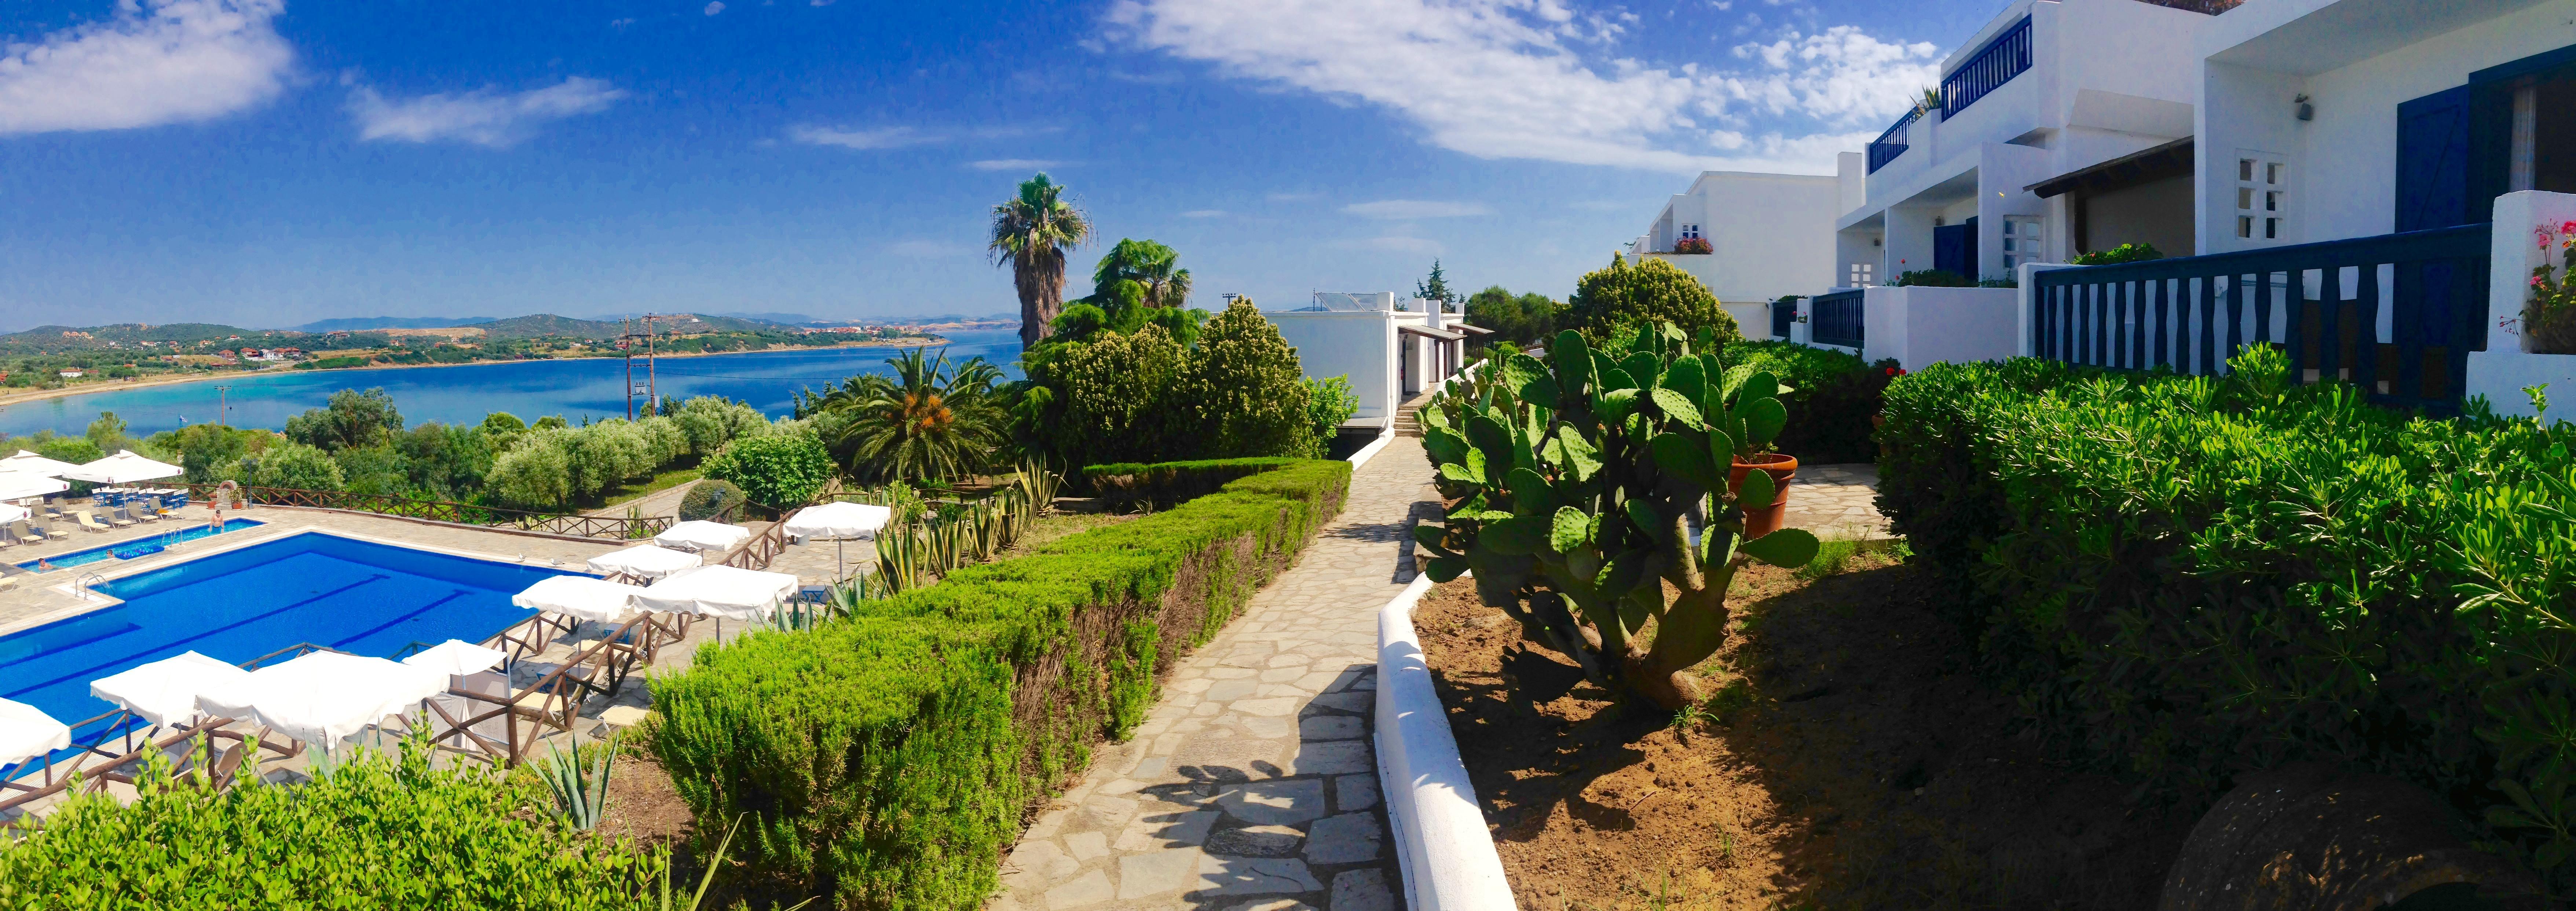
(640, 336)
(223, 405)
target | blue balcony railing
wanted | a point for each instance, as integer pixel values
(1835, 319)
(2003, 58)
(2431, 286)
(1892, 143)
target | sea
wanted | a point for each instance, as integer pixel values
(575, 389)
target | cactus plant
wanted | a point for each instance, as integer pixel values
(1573, 487)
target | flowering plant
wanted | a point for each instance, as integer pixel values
(1692, 245)
(2549, 316)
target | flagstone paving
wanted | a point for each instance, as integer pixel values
(1252, 785)
(1836, 501)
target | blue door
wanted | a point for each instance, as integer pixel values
(2433, 161)
(1954, 248)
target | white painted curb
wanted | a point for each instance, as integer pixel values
(1440, 836)
(1370, 451)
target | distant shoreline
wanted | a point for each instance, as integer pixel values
(38, 395)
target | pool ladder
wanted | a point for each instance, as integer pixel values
(86, 580)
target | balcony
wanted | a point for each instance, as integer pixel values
(1892, 143)
(2003, 58)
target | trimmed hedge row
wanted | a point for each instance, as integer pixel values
(1166, 483)
(1833, 393)
(887, 758)
(375, 832)
(2189, 579)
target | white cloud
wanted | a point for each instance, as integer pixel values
(482, 117)
(1536, 79)
(1407, 209)
(1393, 244)
(880, 138)
(1204, 213)
(157, 62)
(1012, 164)
(714, 7)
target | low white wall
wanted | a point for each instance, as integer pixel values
(1440, 836)
(1753, 319)
(1358, 344)
(2501, 371)
(1923, 326)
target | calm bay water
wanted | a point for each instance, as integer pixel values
(574, 389)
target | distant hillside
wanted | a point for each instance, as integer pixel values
(544, 324)
(159, 332)
(363, 323)
(785, 319)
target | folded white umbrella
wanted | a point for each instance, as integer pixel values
(9, 513)
(18, 485)
(34, 464)
(702, 536)
(580, 597)
(324, 697)
(26, 733)
(839, 520)
(165, 692)
(650, 561)
(123, 468)
(718, 591)
(457, 657)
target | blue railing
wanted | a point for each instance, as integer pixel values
(2428, 288)
(1883, 149)
(1995, 64)
(1836, 319)
(1784, 313)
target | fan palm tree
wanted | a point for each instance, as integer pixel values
(1031, 234)
(1146, 263)
(931, 420)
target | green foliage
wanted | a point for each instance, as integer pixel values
(1932, 278)
(1525, 320)
(1110, 399)
(1032, 233)
(211, 452)
(1144, 396)
(1329, 402)
(1152, 266)
(75, 450)
(1574, 480)
(372, 470)
(929, 421)
(1435, 288)
(779, 471)
(2189, 578)
(500, 422)
(536, 472)
(709, 499)
(1834, 393)
(580, 790)
(108, 433)
(297, 466)
(352, 420)
(885, 758)
(1165, 484)
(2124, 253)
(1246, 388)
(372, 832)
(1628, 297)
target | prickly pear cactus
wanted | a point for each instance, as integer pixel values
(1575, 486)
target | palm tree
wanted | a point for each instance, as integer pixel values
(1031, 234)
(1146, 263)
(929, 421)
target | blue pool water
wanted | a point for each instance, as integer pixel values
(355, 596)
(131, 548)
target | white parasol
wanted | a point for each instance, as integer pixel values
(9, 513)
(324, 697)
(702, 536)
(35, 464)
(26, 733)
(839, 522)
(19, 485)
(649, 561)
(165, 692)
(123, 468)
(718, 591)
(580, 597)
(457, 657)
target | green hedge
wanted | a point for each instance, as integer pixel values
(1167, 483)
(373, 833)
(888, 758)
(1833, 393)
(2188, 579)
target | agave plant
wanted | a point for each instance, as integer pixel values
(1573, 488)
(581, 792)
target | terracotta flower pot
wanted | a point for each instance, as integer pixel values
(1781, 467)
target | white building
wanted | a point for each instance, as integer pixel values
(1388, 355)
(2062, 126)
(1768, 236)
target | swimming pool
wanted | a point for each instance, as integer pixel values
(352, 595)
(131, 548)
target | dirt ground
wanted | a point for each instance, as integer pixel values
(1847, 758)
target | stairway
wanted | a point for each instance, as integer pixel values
(1408, 421)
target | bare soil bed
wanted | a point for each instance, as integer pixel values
(1847, 759)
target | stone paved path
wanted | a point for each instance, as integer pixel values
(1252, 786)
(1836, 501)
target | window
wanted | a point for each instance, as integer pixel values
(1861, 273)
(2025, 238)
(1690, 232)
(2262, 197)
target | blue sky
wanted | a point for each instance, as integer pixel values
(270, 162)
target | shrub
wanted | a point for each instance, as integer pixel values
(1933, 278)
(1692, 245)
(373, 832)
(886, 758)
(1245, 387)
(782, 471)
(298, 466)
(2124, 253)
(2189, 578)
(1329, 402)
(708, 499)
(1113, 397)
(536, 472)
(1651, 292)
(1167, 483)
(1833, 393)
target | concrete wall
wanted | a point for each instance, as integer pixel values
(2500, 372)
(1359, 345)
(1923, 326)
(1769, 234)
